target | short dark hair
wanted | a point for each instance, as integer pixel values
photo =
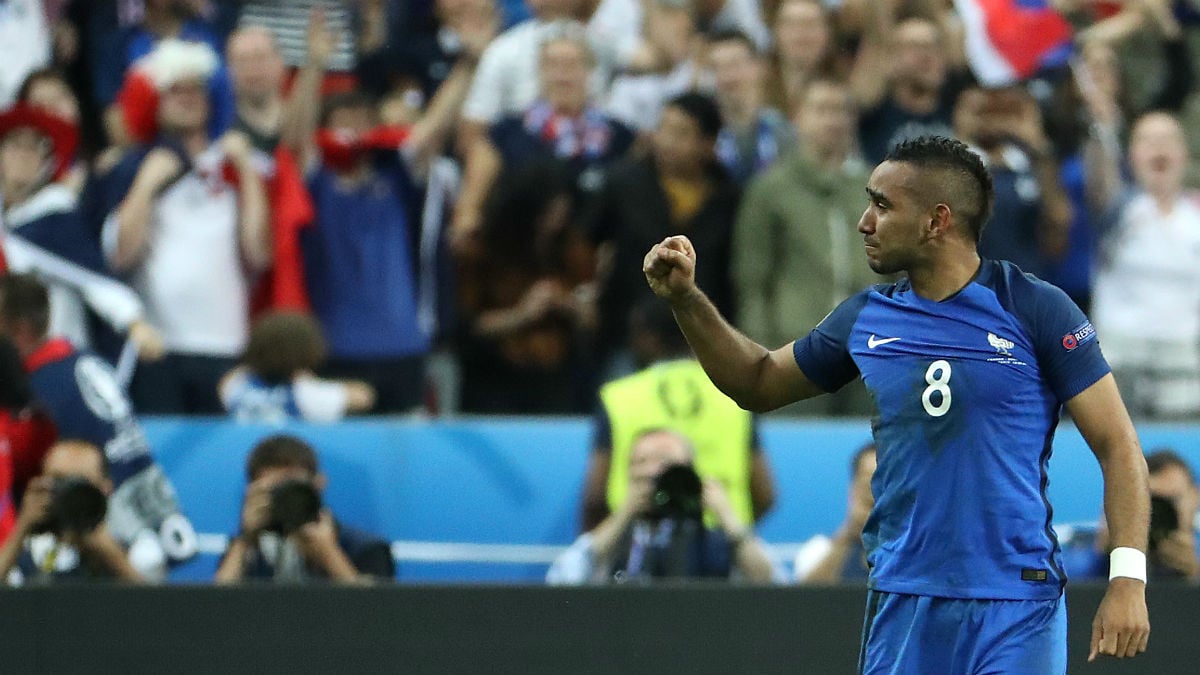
(24, 298)
(346, 100)
(702, 109)
(282, 343)
(1165, 458)
(964, 175)
(733, 35)
(280, 451)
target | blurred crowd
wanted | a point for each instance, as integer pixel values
(313, 208)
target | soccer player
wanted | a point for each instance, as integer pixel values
(969, 362)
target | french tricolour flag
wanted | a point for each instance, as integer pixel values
(1010, 40)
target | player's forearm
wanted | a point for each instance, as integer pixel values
(732, 360)
(1126, 496)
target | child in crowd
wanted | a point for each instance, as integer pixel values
(276, 382)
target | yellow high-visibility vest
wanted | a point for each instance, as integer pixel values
(678, 395)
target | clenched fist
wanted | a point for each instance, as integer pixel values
(670, 269)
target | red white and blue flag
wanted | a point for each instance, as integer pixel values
(1010, 40)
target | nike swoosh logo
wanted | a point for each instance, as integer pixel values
(873, 342)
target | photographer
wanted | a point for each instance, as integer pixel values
(659, 530)
(286, 534)
(60, 532)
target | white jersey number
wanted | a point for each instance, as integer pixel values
(938, 378)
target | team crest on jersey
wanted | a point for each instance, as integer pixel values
(1003, 347)
(1082, 333)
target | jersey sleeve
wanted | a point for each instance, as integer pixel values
(824, 354)
(1066, 344)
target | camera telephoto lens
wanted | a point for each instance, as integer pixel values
(677, 494)
(293, 504)
(75, 506)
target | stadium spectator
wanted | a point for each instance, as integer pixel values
(526, 298)
(619, 23)
(753, 134)
(49, 90)
(60, 535)
(637, 98)
(679, 187)
(842, 558)
(44, 232)
(166, 201)
(506, 82)
(256, 71)
(1146, 300)
(795, 249)
(286, 535)
(1031, 213)
(276, 380)
(671, 390)
(81, 397)
(637, 543)
(903, 80)
(358, 256)
(804, 50)
(563, 125)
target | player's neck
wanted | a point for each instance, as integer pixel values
(943, 277)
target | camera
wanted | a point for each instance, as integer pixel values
(294, 503)
(1164, 519)
(75, 506)
(677, 494)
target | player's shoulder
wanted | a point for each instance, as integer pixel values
(1023, 294)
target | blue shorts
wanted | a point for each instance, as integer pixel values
(920, 635)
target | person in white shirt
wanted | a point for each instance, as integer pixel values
(275, 381)
(190, 228)
(1146, 294)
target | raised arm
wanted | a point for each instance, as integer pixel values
(254, 228)
(302, 112)
(1122, 625)
(754, 377)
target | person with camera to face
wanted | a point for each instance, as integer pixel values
(60, 532)
(286, 533)
(660, 529)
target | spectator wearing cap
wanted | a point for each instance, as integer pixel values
(678, 188)
(169, 199)
(44, 233)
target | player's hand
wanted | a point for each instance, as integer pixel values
(670, 269)
(1122, 624)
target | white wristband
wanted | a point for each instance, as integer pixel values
(1127, 562)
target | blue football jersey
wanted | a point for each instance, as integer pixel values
(968, 393)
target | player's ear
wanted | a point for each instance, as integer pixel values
(940, 220)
